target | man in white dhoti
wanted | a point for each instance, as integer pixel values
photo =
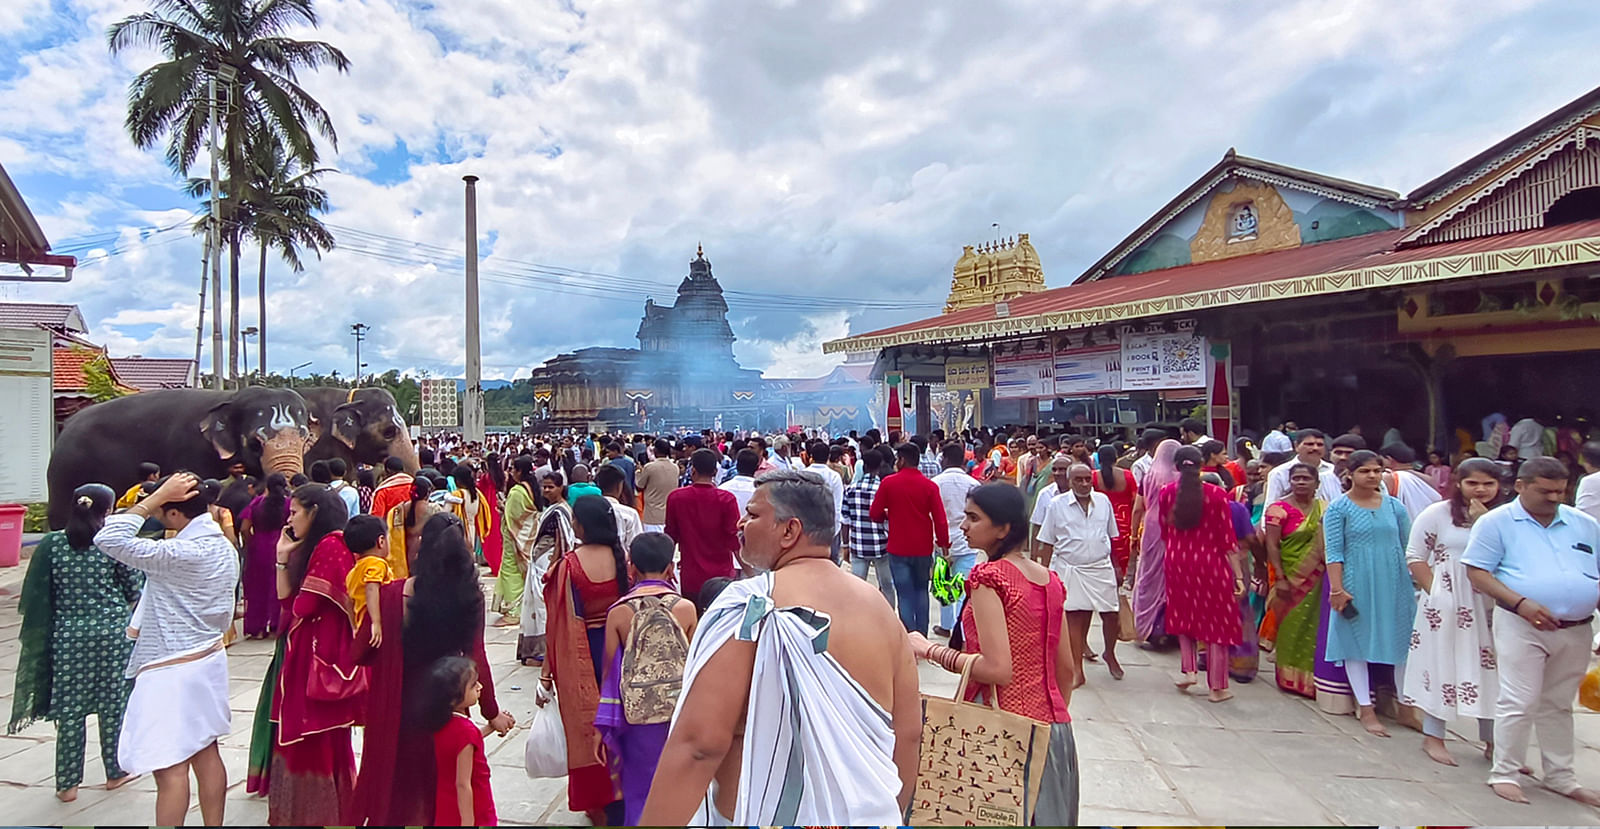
(811, 666)
(179, 705)
(1078, 526)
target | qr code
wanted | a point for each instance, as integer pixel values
(1180, 355)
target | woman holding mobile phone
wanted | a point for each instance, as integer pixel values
(1369, 588)
(1452, 669)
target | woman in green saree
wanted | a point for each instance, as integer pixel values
(518, 510)
(1294, 553)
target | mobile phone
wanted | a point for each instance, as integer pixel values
(1349, 611)
(289, 531)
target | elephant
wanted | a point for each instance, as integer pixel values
(358, 425)
(204, 432)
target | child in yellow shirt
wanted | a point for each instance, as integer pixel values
(367, 537)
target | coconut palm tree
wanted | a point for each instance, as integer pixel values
(285, 200)
(199, 38)
(277, 207)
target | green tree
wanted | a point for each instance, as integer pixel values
(172, 99)
(97, 380)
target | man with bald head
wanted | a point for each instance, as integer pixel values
(580, 485)
(1076, 535)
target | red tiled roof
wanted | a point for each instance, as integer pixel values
(1370, 250)
(48, 314)
(67, 370)
(149, 373)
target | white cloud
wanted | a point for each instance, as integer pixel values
(818, 157)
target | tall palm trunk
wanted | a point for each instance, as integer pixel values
(261, 316)
(233, 307)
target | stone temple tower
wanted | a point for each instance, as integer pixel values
(697, 322)
(995, 272)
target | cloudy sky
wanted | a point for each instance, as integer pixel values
(832, 157)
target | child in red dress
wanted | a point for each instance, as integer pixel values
(461, 796)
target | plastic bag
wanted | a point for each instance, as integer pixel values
(545, 753)
(1589, 689)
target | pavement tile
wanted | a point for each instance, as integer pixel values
(1104, 741)
(1484, 808)
(1177, 746)
(1330, 754)
(520, 799)
(1130, 785)
(31, 766)
(10, 745)
(1371, 801)
(1213, 793)
(1096, 816)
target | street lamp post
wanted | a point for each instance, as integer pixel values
(295, 369)
(359, 331)
(244, 349)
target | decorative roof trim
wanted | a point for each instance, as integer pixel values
(1511, 260)
(1309, 187)
(1233, 164)
(1580, 136)
(1488, 166)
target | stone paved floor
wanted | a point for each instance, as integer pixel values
(1148, 755)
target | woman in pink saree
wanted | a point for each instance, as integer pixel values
(1147, 574)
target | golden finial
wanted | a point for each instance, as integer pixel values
(699, 251)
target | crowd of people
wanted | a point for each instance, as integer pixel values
(742, 615)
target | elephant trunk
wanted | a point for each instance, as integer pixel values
(284, 452)
(401, 448)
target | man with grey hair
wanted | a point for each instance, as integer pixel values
(830, 713)
(1078, 527)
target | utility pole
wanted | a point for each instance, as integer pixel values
(214, 236)
(472, 405)
(295, 369)
(200, 326)
(359, 331)
(244, 350)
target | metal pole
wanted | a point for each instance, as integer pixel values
(216, 249)
(472, 408)
(360, 332)
(200, 326)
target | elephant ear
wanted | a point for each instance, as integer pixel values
(217, 430)
(347, 424)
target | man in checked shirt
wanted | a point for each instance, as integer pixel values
(865, 542)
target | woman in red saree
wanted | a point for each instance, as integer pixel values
(578, 593)
(319, 691)
(1119, 487)
(441, 599)
(492, 482)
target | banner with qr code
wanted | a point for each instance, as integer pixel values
(1163, 361)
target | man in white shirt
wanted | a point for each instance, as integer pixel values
(1078, 527)
(954, 484)
(1149, 439)
(743, 482)
(1278, 440)
(610, 478)
(1528, 436)
(1589, 484)
(1309, 446)
(1404, 482)
(352, 501)
(819, 464)
(179, 705)
(1060, 469)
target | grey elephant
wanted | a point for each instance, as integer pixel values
(358, 425)
(204, 432)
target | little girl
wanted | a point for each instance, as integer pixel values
(461, 795)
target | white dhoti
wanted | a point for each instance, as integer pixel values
(174, 712)
(817, 748)
(1091, 586)
(533, 611)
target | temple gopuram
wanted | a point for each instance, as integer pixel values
(995, 272)
(683, 375)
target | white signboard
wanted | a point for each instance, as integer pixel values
(1163, 361)
(27, 414)
(1024, 375)
(1088, 371)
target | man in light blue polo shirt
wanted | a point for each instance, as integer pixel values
(1535, 557)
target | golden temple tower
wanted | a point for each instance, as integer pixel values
(995, 272)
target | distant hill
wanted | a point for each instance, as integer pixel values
(488, 385)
